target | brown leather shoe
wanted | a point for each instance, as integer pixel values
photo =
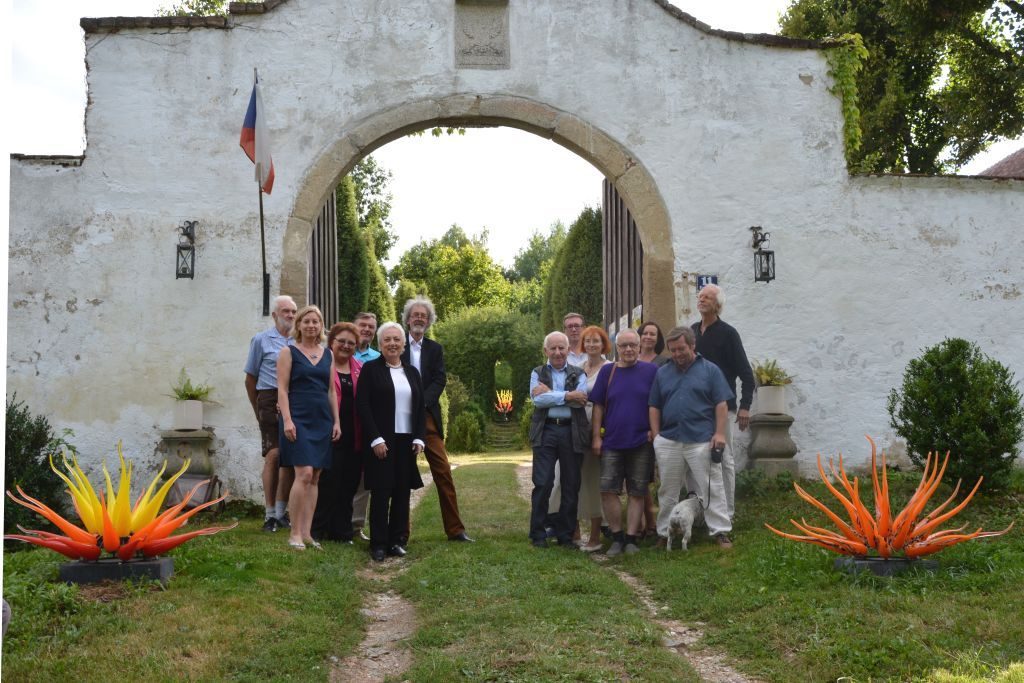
(723, 541)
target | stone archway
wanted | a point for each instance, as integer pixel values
(634, 183)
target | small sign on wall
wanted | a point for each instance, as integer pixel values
(705, 280)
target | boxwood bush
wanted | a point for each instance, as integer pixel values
(29, 441)
(955, 398)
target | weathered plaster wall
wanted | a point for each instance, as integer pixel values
(727, 134)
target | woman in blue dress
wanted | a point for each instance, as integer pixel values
(309, 417)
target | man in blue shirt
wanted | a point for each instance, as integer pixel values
(366, 324)
(261, 386)
(688, 409)
(559, 432)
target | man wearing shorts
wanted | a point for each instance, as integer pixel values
(621, 437)
(261, 386)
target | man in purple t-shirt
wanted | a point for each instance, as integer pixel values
(624, 444)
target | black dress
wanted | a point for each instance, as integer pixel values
(332, 519)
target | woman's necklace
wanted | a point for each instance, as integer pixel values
(314, 353)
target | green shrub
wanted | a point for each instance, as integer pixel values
(575, 282)
(29, 441)
(465, 435)
(525, 417)
(459, 395)
(475, 339)
(956, 398)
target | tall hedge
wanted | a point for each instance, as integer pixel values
(353, 260)
(379, 300)
(575, 283)
(475, 339)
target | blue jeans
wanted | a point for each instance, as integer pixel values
(556, 446)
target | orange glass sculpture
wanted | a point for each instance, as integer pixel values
(908, 533)
(504, 403)
(110, 522)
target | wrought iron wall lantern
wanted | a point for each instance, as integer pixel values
(185, 263)
(764, 259)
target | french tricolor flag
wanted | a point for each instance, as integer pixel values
(256, 142)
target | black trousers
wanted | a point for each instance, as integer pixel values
(389, 506)
(332, 520)
(556, 446)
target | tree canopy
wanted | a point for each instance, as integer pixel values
(457, 270)
(943, 79)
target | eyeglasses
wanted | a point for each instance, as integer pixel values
(573, 326)
(628, 345)
(344, 342)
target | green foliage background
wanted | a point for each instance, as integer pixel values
(475, 338)
(956, 398)
(941, 79)
(353, 256)
(575, 283)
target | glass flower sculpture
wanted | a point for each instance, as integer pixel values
(504, 402)
(907, 533)
(110, 522)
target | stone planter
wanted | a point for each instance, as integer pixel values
(188, 416)
(771, 400)
(771, 447)
(111, 569)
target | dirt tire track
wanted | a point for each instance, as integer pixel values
(680, 638)
(390, 620)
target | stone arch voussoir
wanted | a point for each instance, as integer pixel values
(632, 180)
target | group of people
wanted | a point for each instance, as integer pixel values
(342, 424)
(599, 427)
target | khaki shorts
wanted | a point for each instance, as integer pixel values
(266, 413)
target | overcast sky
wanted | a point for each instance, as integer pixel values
(437, 181)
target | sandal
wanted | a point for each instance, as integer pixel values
(298, 545)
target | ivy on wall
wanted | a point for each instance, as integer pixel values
(845, 59)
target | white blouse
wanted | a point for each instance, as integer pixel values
(403, 401)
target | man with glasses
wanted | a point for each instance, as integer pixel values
(427, 356)
(621, 437)
(572, 326)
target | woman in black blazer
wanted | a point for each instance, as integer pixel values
(393, 419)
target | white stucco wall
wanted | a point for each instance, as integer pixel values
(732, 134)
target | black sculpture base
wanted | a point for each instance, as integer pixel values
(879, 566)
(161, 569)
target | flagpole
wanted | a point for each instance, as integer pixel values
(263, 239)
(263, 251)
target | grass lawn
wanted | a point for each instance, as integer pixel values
(242, 606)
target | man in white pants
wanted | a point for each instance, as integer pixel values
(720, 343)
(688, 412)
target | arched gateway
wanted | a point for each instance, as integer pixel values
(634, 183)
(704, 133)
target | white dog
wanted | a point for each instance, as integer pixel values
(680, 522)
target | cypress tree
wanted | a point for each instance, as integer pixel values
(575, 282)
(379, 299)
(353, 262)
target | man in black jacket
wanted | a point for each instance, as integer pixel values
(720, 343)
(427, 356)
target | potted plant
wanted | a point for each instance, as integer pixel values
(771, 386)
(188, 404)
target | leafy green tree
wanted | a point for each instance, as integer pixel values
(457, 270)
(408, 289)
(194, 8)
(353, 254)
(943, 79)
(539, 250)
(373, 199)
(575, 283)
